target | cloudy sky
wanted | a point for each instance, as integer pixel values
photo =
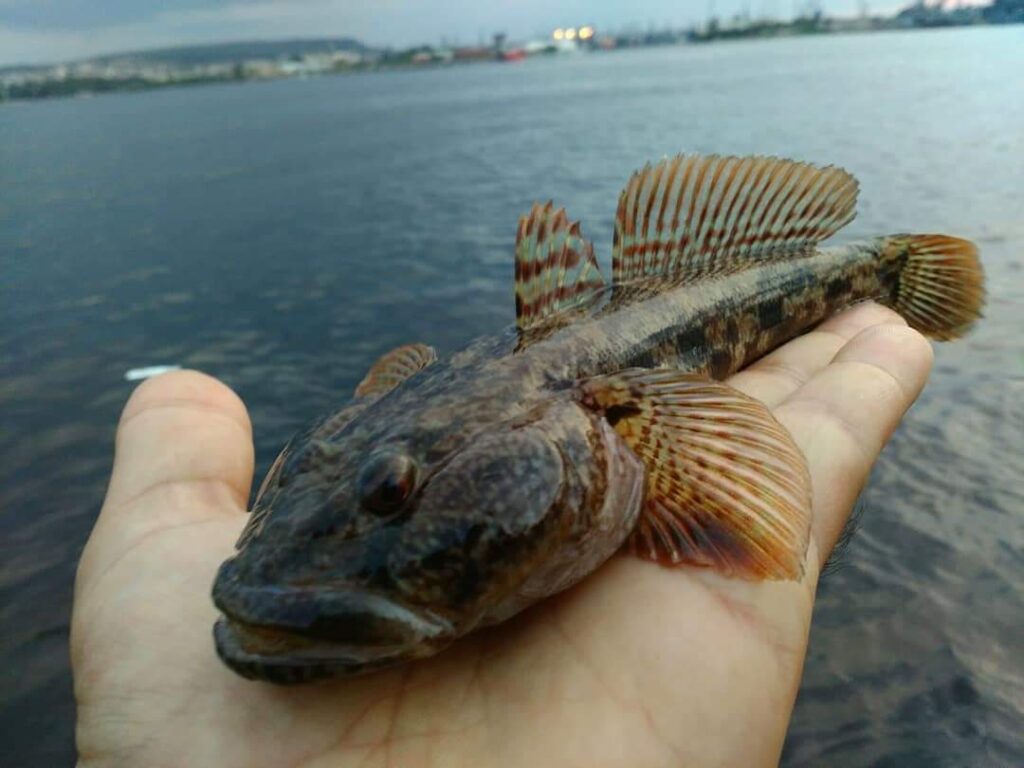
(34, 31)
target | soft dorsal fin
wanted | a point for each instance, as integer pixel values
(395, 367)
(694, 216)
(727, 488)
(556, 271)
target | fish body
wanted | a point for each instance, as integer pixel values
(452, 494)
(719, 325)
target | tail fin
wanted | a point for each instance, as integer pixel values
(941, 286)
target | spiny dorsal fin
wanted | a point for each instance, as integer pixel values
(694, 216)
(395, 367)
(556, 271)
(727, 487)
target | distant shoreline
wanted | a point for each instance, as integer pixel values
(297, 59)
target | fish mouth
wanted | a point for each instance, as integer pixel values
(301, 634)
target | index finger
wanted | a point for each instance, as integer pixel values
(182, 427)
(843, 416)
(780, 373)
(183, 456)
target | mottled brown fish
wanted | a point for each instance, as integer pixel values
(450, 495)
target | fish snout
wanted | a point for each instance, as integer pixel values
(339, 614)
(267, 628)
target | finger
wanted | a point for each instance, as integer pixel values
(843, 416)
(183, 456)
(778, 375)
(181, 428)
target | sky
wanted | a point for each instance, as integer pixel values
(42, 31)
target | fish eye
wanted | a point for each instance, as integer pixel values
(386, 481)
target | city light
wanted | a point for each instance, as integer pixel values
(572, 33)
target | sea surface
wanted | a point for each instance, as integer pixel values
(282, 235)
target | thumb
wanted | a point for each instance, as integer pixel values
(183, 456)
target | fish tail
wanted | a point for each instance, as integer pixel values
(940, 284)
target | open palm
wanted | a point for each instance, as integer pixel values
(639, 665)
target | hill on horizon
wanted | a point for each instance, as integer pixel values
(221, 53)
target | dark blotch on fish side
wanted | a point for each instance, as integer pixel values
(694, 337)
(645, 359)
(720, 364)
(838, 287)
(769, 313)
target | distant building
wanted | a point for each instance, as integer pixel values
(1004, 12)
(855, 24)
(921, 14)
(473, 53)
(566, 46)
(536, 47)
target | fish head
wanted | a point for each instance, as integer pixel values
(387, 543)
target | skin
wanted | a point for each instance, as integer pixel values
(638, 665)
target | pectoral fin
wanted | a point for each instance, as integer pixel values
(727, 488)
(394, 368)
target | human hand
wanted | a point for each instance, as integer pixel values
(639, 665)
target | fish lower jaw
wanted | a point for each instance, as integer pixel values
(284, 658)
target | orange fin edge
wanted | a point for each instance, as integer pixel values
(727, 487)
(394, 367)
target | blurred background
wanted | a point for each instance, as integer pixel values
(278, 191)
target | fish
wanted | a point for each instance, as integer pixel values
(451, 494)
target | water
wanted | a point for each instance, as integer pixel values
(281, 235)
